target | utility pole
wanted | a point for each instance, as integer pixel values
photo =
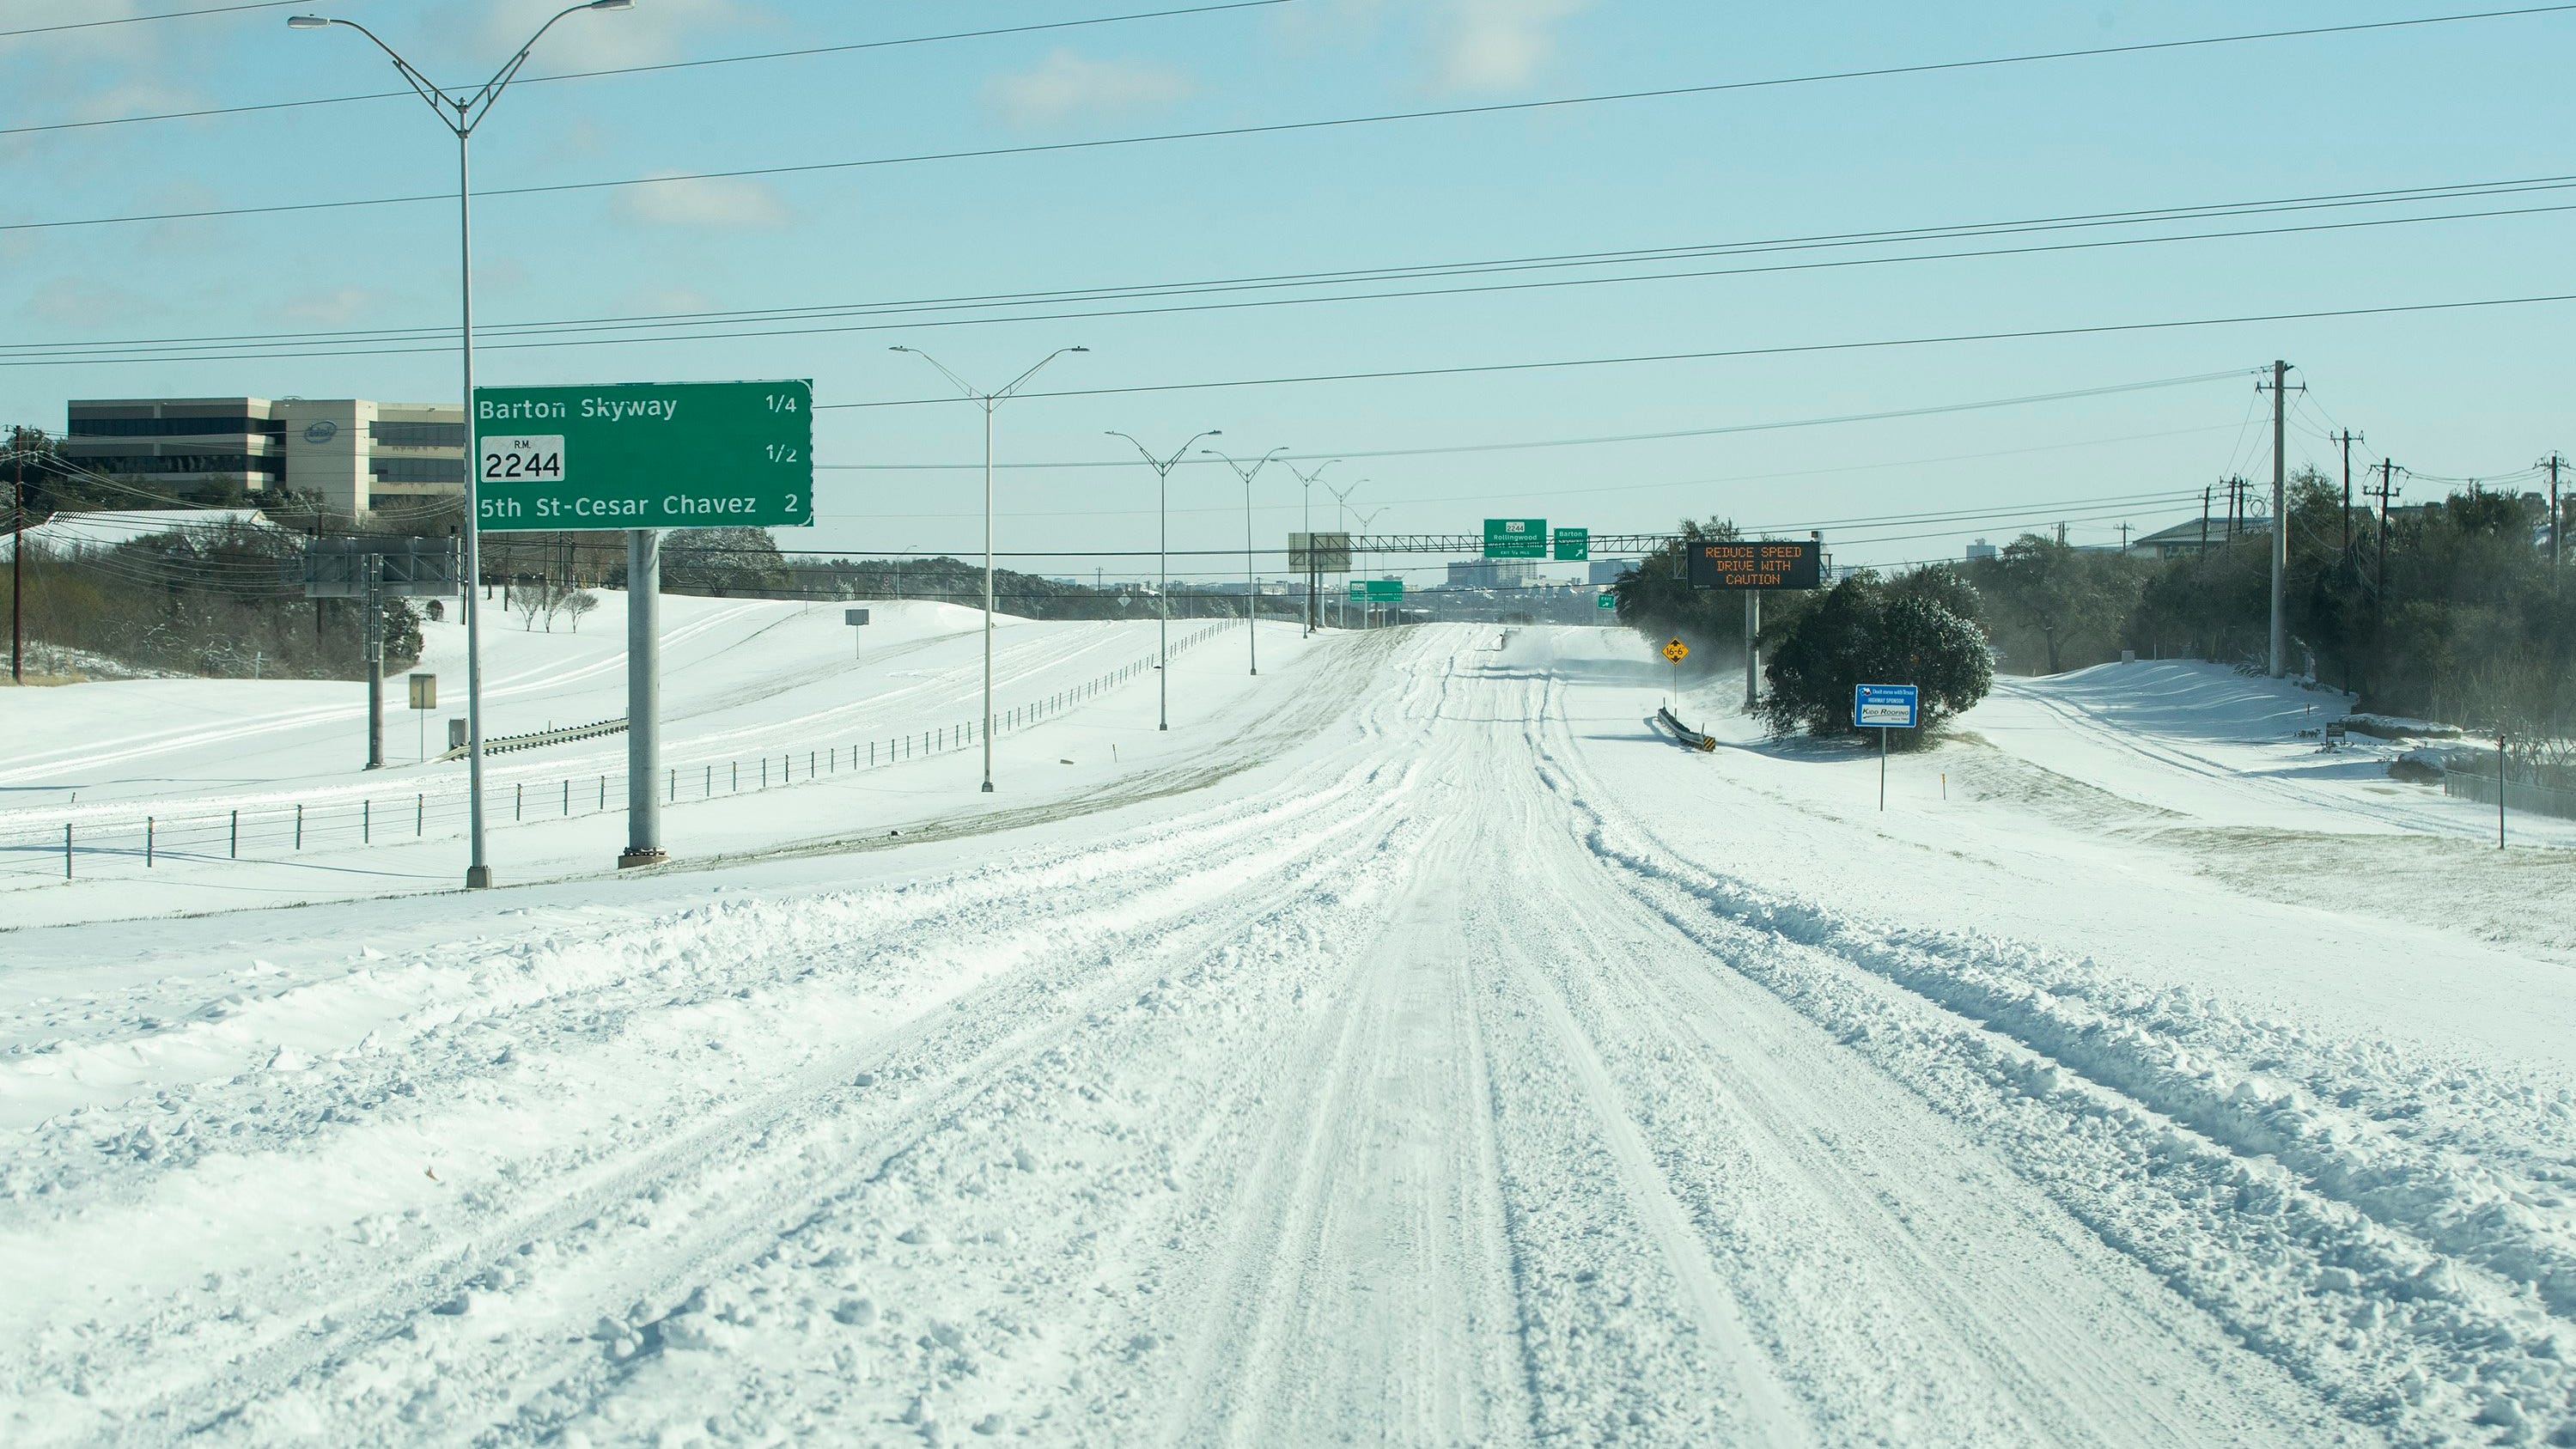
(2204, 520)
(2557, 522)
(17, 556)
(2348, 439)
(2379, 575)
(2280, 513)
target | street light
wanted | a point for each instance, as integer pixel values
(1368, 607)
(1163, 593)
(988, 401)
(1341, 506)
(1314, 606)
(469, 108)
(1251, 580)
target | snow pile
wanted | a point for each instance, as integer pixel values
(2397, 1232)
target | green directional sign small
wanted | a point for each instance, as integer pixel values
(644, 455)
(1376, 591)
(1515, 538)
(1607, 603)
(1573, 545)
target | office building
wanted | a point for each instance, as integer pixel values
(1608, 570)
(1492, 573)
(352, 456)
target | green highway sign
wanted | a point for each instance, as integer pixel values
(1606, 602)
(1376, 591)
(644, 455)
(1515, 538)
(1573, 545)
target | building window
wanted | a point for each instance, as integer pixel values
(418, 470)
(172, 427)
(419, 435)
(144, 464)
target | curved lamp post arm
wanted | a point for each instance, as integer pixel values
(427, 89)
(964, 388)
(468, 107)
(1163, 465)
(1013, 385)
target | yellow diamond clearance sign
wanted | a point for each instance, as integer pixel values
(1676, 651)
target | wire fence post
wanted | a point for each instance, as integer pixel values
(519, 802)
(299, 827)
(420, 815)
(366, 822)
(233, 851)
(2499, 792)
(147, 842)
(67, 850)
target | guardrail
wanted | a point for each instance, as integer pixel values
(569, 733)
(53, 851)
(1683, 733)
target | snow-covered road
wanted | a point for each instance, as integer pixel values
(1433, 1065)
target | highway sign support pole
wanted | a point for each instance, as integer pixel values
(1882, 770)
(1752, 659)
(643, 699)
(374, 635)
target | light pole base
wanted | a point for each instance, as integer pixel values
(1162, 726)
(988, 787)
(478, 877)
(650, 855)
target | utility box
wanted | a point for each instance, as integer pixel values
(456, 734)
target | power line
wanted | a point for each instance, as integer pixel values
(2449, 191)
(140, 19)
(210, 111)
(263, 353)
(1784, 350)
(1325, 124)
(1721, 430)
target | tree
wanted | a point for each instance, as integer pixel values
(1865, 632)
(2071, 599)
(577, 603)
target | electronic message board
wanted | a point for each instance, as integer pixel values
(1756, 564)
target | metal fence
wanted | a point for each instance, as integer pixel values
(2526, 795)
(60, 852)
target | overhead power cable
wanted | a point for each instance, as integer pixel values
(801, 53)
(1734, 353)
(2449, 191)
(1719, 430)
(910, 318)
(141, 19)
(1323, 124)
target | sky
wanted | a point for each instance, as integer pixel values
(2451, 394)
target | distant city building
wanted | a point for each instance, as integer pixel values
(351, 455)
(1608, 570)
(1980, 550)
(1492, 573)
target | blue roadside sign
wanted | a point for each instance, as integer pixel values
(1885, 706)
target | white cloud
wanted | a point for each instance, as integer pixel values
(666, 301)
(720, 203)
(337, 307)
(89, 306)
(656, 30)
(1489, 45)
(1065, 83)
